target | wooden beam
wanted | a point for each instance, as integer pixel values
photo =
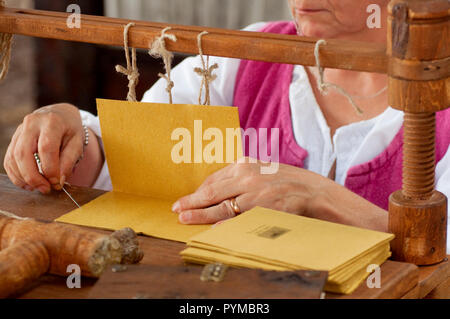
(290, 49)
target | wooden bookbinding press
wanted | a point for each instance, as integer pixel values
(417, 61)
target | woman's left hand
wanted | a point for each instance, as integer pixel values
(290, 189)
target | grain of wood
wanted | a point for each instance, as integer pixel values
(20, 265)
(66, 244)
(291, 49)
(418, 38)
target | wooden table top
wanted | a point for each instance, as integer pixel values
(398, 280)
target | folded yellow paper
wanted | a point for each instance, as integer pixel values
(264, 238)
(157, 153)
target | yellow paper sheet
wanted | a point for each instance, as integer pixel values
(157, 153)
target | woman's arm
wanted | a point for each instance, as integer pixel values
(290, 189)
(335, 203)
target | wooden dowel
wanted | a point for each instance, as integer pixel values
(290, 49)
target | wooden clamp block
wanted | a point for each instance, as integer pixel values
(419, 68)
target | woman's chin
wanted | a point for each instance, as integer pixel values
(316, 30)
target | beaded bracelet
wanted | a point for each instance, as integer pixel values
(86, 135)
(85, 143)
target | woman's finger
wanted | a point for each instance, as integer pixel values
(70, 154)
(10, 164)
(9, 168)
(49, 145)
(208, 215)
(213, 194)
(24, 155)
(14, 174)
(217, 213)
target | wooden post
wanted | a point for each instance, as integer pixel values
(419, 66)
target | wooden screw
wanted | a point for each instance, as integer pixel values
(416, 40)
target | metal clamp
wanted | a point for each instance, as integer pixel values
(214, 272)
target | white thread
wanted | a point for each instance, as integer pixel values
(11, 215)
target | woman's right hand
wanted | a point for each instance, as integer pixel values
(56, 133)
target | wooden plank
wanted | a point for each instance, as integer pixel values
(291, 49)
(183, 282)
(160, 252)
(440, 292)
(396, 280)
(412, 294)
(432, 276)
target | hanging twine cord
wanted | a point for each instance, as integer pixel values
(131, 72)
(158, 50)
(324, 86)
(205, 72)
(5, 50)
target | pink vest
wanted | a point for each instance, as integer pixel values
(262, 96)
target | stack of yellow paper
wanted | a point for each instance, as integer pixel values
(272, 240)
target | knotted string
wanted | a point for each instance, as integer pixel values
(5, 50)
(205, 72)
(158, 50)
(323, 86)
(131, 71)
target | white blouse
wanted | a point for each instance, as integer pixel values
(351, 145)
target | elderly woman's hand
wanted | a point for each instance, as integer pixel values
(291, 189)
(56, 133)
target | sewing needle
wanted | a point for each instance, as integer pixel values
(73, 200)
(38, 162)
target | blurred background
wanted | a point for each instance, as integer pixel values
(44, 72)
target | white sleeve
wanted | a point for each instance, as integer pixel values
(187, 83)
(103, 181)
(443, 185)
